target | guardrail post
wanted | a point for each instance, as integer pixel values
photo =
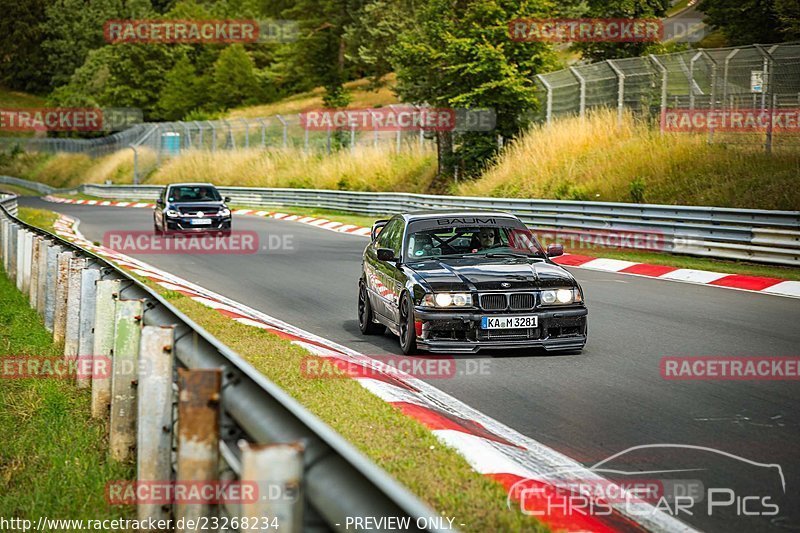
(20, 261)
(60, 306)
(276, 471)
(127, 336)
(12, 252)
(27, 262)
(89, 278)
(103, 345)
(154, 429)
(41, 291)
(198, 435)
(33, 282)
(6, 231)
(51, 280)
(72, 328)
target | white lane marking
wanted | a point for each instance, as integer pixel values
(693, 276)
(786, 288)
(608, 265)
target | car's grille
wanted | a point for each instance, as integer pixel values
(521, 301)
(195, 210)
(493, 302)
(500, 301)
(507, 334)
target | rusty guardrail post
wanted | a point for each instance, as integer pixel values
(72, 327)
(276, 471)
(198, 436)
(103, 345)
(127, 336)
(89, 278)
(154, 429)
(60, 307)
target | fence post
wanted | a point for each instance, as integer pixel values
(549, 100)
(127, 336)
(692, 83)
(725, 73)
(582, 85)
(72, 327)
(663, 106)
(154, 428)
(276, 472)
(103, 345)
(89, 278)
(60, 307)
(213, 136)
(246, 133)
(285, 128)
(198, 435)
(135, 165)
(620, 89)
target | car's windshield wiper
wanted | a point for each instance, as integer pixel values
(506, 254)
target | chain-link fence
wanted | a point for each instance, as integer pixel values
(723, 83)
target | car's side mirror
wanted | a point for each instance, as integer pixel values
(227, 199)
(376, 228)
(554, 250)
(385, 254)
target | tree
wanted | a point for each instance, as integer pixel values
(22, 29)
(183, 91)
(746, 22)
(459, 54)
(234, 79)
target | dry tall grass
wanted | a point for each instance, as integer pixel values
(366, 169)
(598, 159)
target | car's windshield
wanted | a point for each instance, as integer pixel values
(194, 193)
(501, 237)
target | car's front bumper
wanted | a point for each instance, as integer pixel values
(184, 225)
(460, 332)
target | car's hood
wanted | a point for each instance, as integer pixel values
(483, 274)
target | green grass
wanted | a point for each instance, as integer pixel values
(16, 189)
(53, 459)
(41, 218)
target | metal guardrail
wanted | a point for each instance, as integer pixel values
(745, 234)
(93, 307)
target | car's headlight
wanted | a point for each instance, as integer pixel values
(447, 299)
(172, 213)
(561, 296)
(224, 212)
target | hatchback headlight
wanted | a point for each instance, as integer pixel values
(172, 213)
(224, 212)
(447, 299)
(561, 296)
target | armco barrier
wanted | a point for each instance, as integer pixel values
(227, 411)
(746, 234)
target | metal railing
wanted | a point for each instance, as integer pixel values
(746, 234)
(225, 412)
(765, 77)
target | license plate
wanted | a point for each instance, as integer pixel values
(509, 322)
(201, 222)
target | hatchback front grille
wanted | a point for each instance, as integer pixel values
(493, 302)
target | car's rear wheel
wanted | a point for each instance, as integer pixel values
(365, 322)
(408, 334)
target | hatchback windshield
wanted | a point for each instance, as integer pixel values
(198, 193)
(480, 239)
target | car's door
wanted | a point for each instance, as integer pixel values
(158, 212)
(379, 273)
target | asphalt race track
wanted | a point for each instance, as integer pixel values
(588, 406)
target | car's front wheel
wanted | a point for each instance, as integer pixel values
(365, 322)
(157, 231)
(408, 333)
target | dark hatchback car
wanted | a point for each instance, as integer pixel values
(186, 208)
(460, 282)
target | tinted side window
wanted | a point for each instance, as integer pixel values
(387, 237)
